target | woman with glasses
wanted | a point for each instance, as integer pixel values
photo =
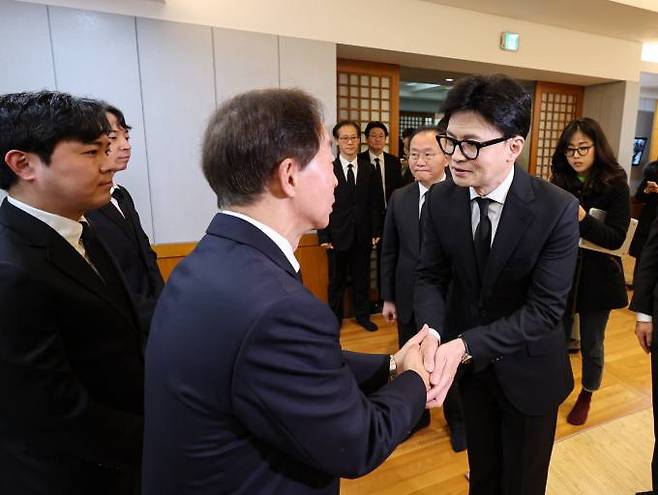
(584, 165)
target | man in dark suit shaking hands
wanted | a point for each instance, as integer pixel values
(247, 389)
(354, 225)
(71, 357)
(400, 250)
(497, 265)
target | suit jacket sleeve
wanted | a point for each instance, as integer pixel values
(433, 275)
(644, 284)
(39, 390)
(151, 256)
(296, 390)
(640, 195)
(390, 251)
(546, 299)
(610, 233)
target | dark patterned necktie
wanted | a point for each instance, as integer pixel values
(350, 176)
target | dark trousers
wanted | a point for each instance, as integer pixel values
(452, 407)
(508, 452)
(592, 334)
(356, 262)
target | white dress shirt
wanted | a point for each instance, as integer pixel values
(70, 230)
(114, 201)
(281, 242)
(495, 210)
(381, 166)
(355, 166)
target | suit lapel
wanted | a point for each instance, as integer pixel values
(410, 211)
(513, 223)
(59, 253)
(110, 212)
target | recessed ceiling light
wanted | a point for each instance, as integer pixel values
(449, 79)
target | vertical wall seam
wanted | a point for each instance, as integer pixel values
(214, 65)
(146, 148)
(52, 46)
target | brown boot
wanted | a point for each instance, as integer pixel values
(578, 414)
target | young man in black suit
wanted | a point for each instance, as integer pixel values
(354, 225)
(645, 303)
(400, 250)
(71, 356)
(248, 390)
(493, 278)
(119, 228)
(388, 167)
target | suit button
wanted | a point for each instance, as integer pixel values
(496, 359)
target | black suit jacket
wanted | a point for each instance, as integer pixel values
(645, 295)
(129, 245)
(247, 389)
(356, 215)
(512, 319)
(601, 285)
(392, 172)
(400, 250)
(72, 368)
(647, 216)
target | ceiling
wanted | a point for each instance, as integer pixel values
(635, 20)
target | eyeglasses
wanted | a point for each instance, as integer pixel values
(425, 156)
(469, 148)
(347, 139)
(581, 150)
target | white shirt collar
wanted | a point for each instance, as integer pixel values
(276, 238)
(70, 230)
(345, 162)
(373, 156)
(422, 189)
(500, 193)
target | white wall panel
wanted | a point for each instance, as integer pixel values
(25, 55)
(244, 61)
(310, 65)
(178, 96)
(96, 55)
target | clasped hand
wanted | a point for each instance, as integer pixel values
(436, 364)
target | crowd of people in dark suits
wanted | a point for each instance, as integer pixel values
(230, 378)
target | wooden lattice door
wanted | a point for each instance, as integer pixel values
(555, 105)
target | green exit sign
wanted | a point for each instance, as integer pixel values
(509, 41)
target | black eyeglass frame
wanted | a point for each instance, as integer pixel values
(478, 145)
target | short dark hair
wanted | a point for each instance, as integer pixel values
(251, 134)
(424, 129)
(651, 171)
(375, 124)
(500, 100)
(343, 123)
(408, 132)
(605, 171)
(35, 122)
(118, 114)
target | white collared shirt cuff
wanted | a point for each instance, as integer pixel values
(644, 318)
(435, 334)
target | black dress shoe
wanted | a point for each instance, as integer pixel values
(650, 492)
(458, 439)
(367, 324)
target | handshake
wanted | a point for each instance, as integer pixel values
(436, 364)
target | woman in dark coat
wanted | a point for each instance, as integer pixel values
(584, 165)
(647, 193)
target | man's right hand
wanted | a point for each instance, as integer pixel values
(389, 311)
(410, 358)
(327, 245)
(644, 332)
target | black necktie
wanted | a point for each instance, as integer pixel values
(350, 176)
(378, 167)
(482, 238)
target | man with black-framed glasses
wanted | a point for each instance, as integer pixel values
(497, 265)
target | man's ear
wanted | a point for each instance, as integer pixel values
(21, 163)
(286, 177)
(515, 147)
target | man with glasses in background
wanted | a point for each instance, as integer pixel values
(354, 225)
(497, 265)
